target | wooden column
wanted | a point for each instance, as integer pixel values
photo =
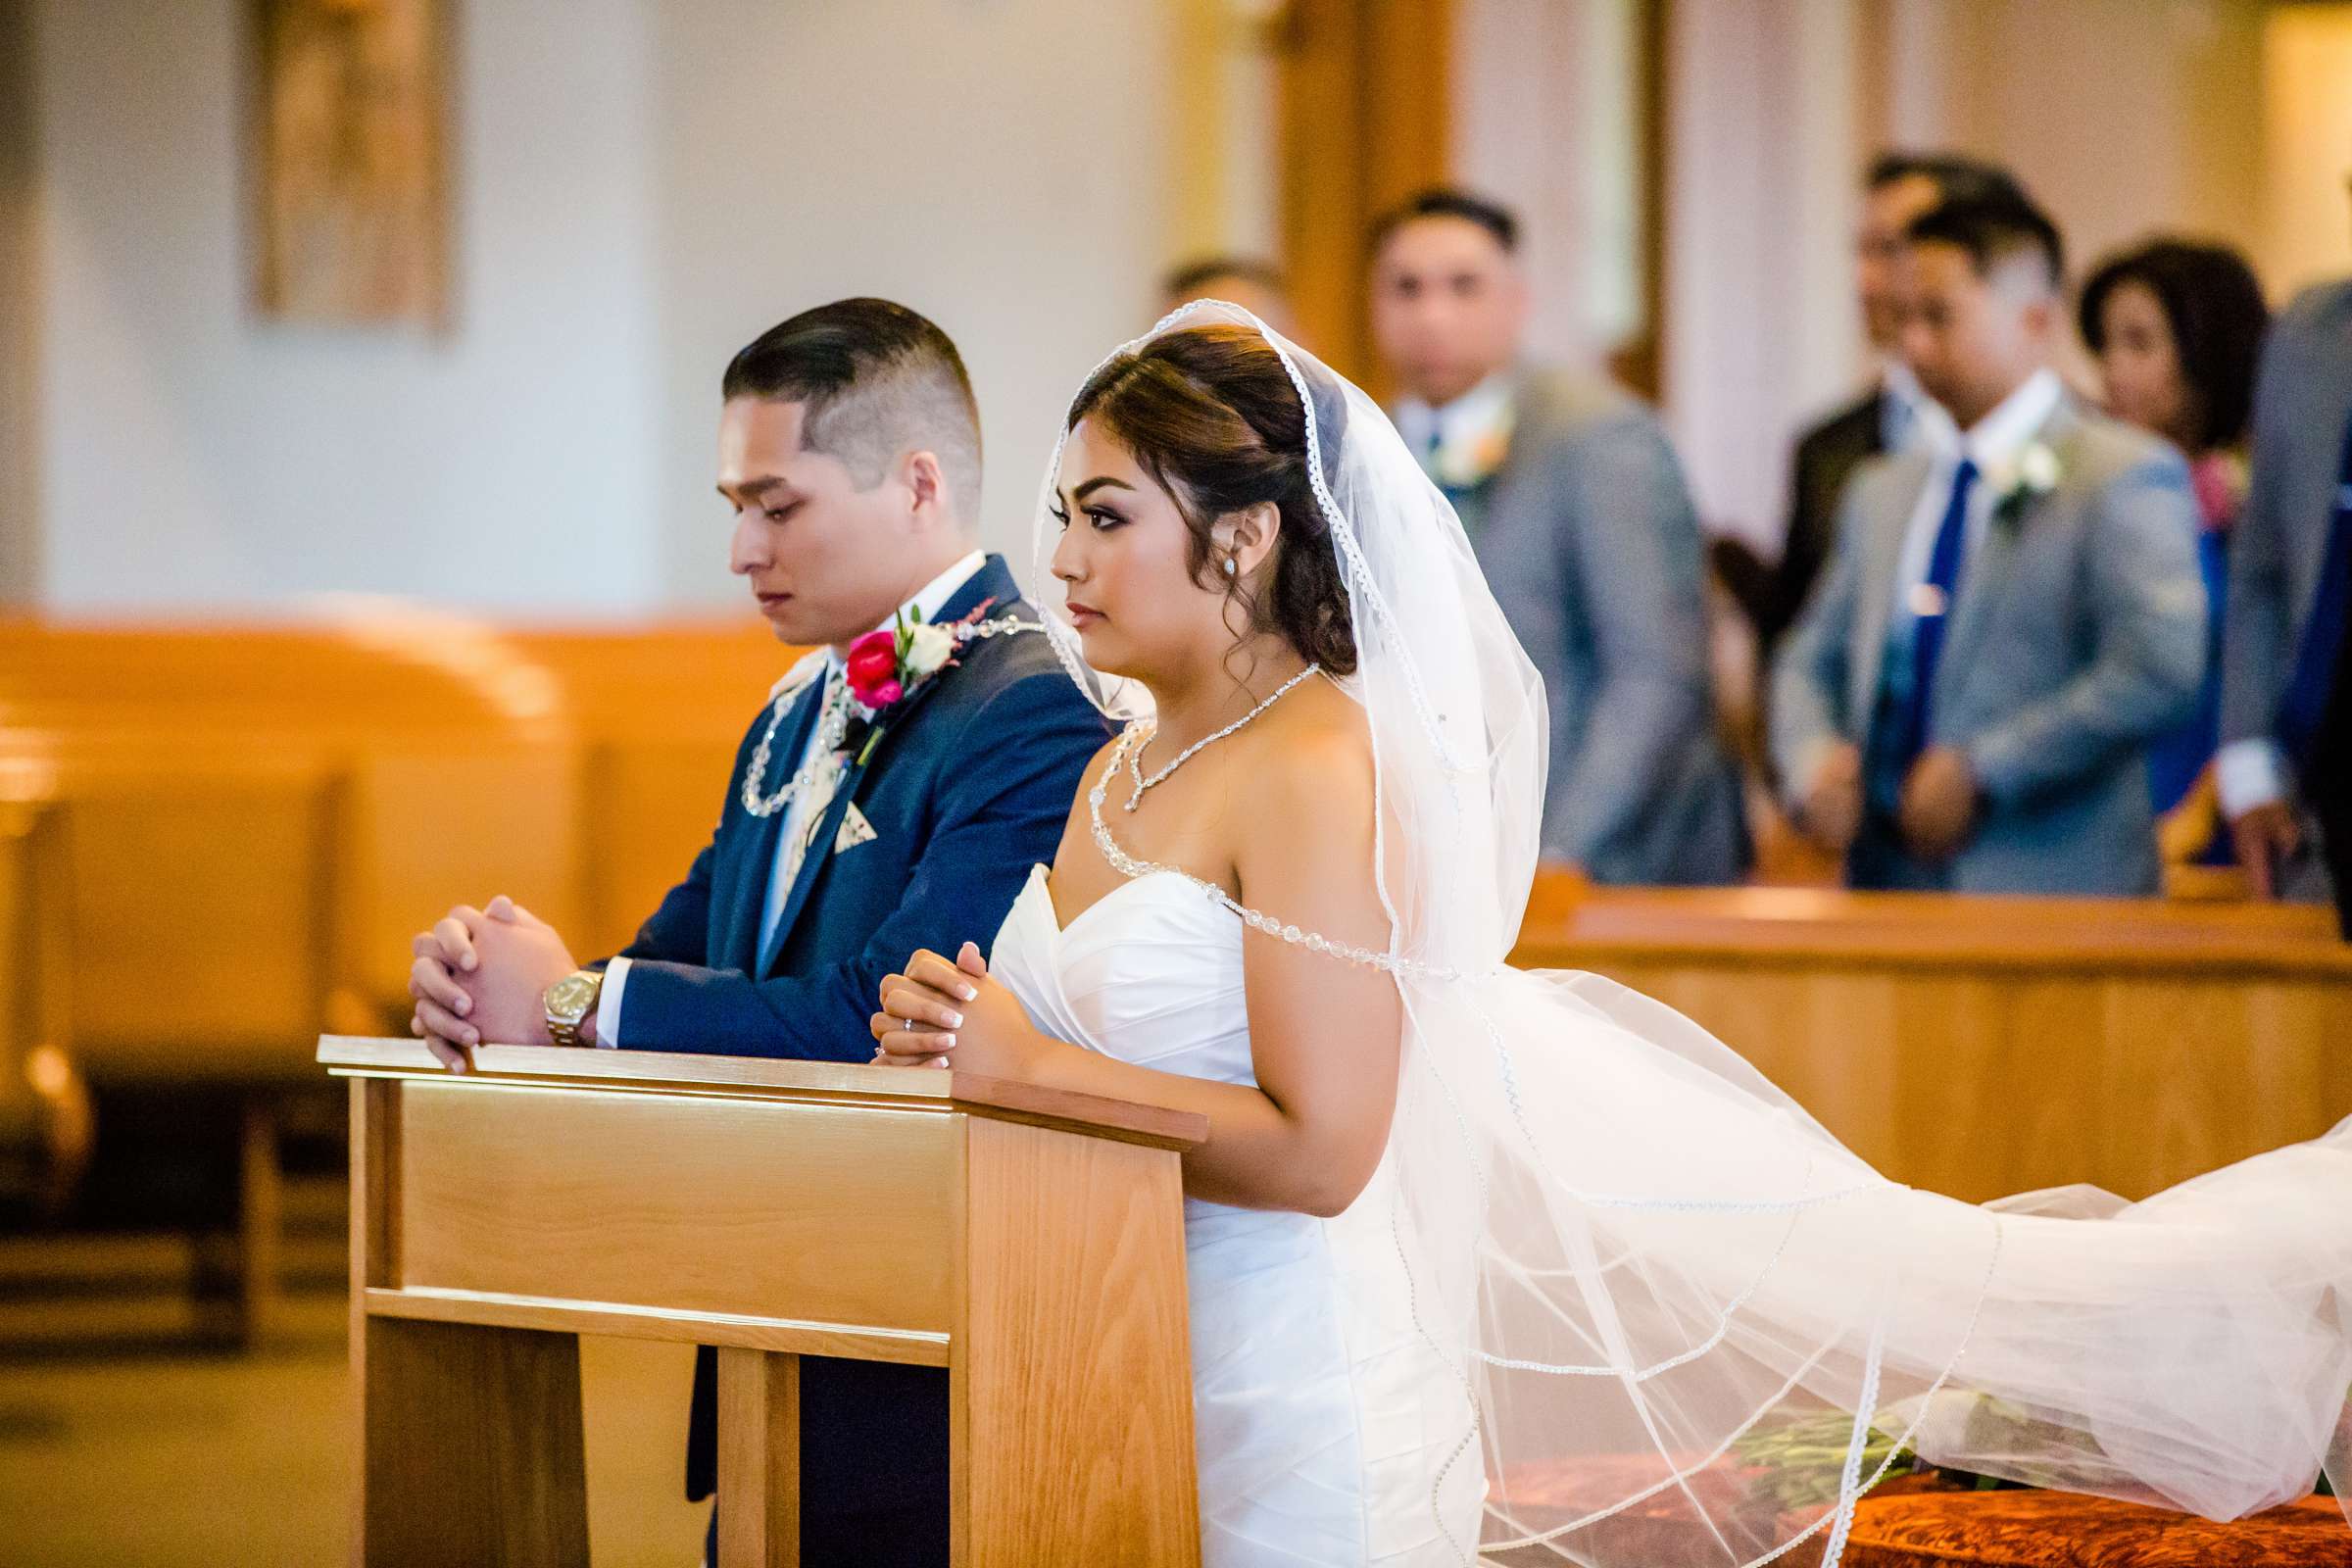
(1070, 1299)
(1365, 121)
(468, 1436)
(759, 1458)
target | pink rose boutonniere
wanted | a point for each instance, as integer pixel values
(887, 666)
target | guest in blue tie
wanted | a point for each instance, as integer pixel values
(2006, 621)
(1891, 415)
(2286, 765)
(1581, 518)
(894, 794)
(2178, 328)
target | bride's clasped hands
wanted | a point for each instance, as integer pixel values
(938, 1012)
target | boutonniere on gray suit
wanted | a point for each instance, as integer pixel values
(2034, 473)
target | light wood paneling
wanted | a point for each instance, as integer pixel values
(176, 881)
(1986, 1047)
(552, 1190)
(794, 1336)
(537, 1192)
(648, 807)
(1071, 1298)
(473, 1451)
(759, 1459)
(832, 1082)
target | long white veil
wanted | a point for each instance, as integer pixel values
(1663, 1289)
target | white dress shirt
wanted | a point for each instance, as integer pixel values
(1456, 426)
(1994, 443)
(2248, 774)
(929, 601)
(1909, 419)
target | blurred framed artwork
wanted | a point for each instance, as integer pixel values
(348, 154)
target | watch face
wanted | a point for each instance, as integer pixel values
(572, 995)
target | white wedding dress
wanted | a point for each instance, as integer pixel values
(1605, 1265)
(1321, 1415)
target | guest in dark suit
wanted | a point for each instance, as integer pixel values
(2005, 623)
(1580, 516)
(2286, 764)
(893, 795)
(1891, 415)
(2178, 328)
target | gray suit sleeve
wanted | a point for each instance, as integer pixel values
(1812, 669)
(2149, 604)
(2258, 621)
(1627, 522)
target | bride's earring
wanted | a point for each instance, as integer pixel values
(1233, 567)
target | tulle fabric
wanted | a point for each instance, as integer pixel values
(1639, 1258)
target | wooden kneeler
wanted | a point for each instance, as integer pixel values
(1030, 1241)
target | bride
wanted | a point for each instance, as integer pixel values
(1480, 1259)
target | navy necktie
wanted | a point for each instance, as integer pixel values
(2304, 708)
(1930, 608)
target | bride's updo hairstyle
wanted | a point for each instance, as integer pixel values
(1209, 412)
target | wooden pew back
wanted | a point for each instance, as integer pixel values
(1985, 1047)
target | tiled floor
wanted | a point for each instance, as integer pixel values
(172, 1458)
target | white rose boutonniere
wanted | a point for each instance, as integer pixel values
(1471, 458)
(928, 648)
(2035, 474)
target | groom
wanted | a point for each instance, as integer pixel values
(849, 458)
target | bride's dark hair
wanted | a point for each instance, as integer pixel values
(1211, 415)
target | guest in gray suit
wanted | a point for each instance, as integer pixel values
(1966, 699)
(2286, 765)
(1580, 516)
(1892, 415)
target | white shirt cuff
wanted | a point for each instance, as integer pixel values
(2249, 773)
(608, 1005)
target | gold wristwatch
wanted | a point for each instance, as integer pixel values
(569, 1003)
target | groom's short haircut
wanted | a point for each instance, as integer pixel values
(877, 380)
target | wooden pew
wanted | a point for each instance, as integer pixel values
(250, 824)
(1029, 1242)
(1985, 1047)
(658, 714)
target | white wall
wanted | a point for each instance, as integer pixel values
(1761, 330)
(1546, 117)
(999, 165)
(640, 188)
(2123, 115)
(194, 457)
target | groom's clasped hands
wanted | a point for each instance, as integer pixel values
(481, 975)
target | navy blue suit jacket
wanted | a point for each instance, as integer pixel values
(967, 790)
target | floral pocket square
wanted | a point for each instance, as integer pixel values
(855, 830)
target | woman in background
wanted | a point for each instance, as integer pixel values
(2177, 328)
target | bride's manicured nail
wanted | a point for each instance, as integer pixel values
(954, 1021)
(967, 993)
